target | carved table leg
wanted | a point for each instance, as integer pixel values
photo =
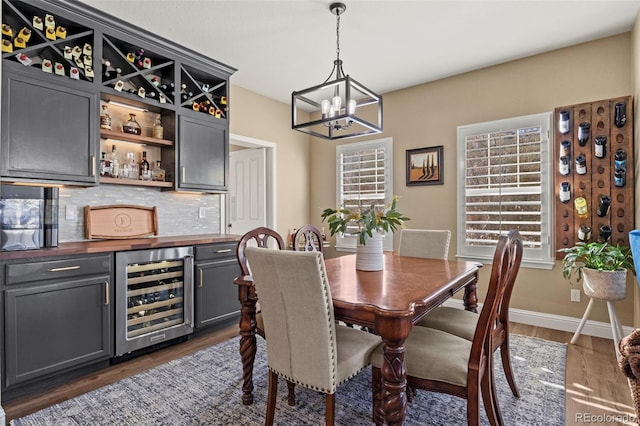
(470, 297)
(394, 381)
(247, 342)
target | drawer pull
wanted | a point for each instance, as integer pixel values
(93, 165)
(64, 268)
(201, 280)
(106, 293)
(223, 251)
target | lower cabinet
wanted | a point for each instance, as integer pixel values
(216, 296)
(57, 315)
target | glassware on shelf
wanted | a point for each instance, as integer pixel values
(158, 131)
(131, 126)
(105, 118)
(158, 173)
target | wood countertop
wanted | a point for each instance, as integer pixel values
(102, 246)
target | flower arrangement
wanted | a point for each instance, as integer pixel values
(596, 255)
(368, 219)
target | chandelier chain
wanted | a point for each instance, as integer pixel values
(338, 36)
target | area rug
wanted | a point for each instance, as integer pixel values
(205, 388)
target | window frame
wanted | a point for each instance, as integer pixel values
(542, 258)
(348, 242)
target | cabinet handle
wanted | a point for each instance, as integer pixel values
(64, 268)
(106, 293)
(93, 165)
(201, 279)
(182, 174)
(223, 251)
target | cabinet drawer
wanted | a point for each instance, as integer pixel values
(17, 273)
(216, 251)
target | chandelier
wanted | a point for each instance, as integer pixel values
(340, 107)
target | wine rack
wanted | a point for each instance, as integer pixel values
(64, 49)
(203, 93)
(592, 135)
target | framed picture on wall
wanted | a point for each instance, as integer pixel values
(424, 166)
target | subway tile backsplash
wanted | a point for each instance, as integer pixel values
(178, 213)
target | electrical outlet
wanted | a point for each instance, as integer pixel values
(71, 212)
(575, 295)
(202, 213)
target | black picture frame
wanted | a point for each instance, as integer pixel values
(424, 166)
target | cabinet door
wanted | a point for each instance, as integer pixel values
(49, 328)
(216, 297)
(49, 131)
(203, 153)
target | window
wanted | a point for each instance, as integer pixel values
(364, 176)
(504, 182)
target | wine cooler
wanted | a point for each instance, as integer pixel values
(154, 297)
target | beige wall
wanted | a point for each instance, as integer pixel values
(428, 115)
(262, 118)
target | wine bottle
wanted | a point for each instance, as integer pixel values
(144, 167)
(115, 163)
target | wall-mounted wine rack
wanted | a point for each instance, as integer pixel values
(597, 138)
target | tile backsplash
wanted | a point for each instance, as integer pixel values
(178, 213)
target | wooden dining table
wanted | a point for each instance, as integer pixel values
(386, 302)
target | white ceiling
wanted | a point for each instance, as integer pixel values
(279, 46)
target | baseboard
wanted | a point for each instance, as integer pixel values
(554, 322)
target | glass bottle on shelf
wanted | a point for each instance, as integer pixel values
(131, 126)
(157, 173)
(115, 163)
(158, 131)
(105, 118)
(145, 171)
(105, 165)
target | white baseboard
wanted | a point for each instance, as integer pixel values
(554, 322)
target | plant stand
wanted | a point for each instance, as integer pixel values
(616, 327)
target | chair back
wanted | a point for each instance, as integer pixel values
(258, 237)
(298, 316)
(425, 243)
(308, 238)
(506, 264)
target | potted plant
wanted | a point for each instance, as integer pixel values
(371, 222)
(603, 266)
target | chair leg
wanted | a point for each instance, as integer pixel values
(505, 354)
(616, 328)
(271, 398)
(291, 397)
(582, 322)
(490, 397)
(330, 409)
(473, 406)
(376, 388)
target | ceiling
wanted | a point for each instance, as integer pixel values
(282, 46)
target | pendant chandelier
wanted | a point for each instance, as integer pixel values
(340, 107)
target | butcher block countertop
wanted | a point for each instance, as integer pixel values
(102, 246)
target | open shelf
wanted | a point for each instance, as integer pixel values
(158, 184)
(128, 137)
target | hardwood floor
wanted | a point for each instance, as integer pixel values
(594, 385)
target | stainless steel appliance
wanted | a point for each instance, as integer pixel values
(28, 217)
(154, 297)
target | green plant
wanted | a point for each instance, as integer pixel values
(367, 219)
(595, 255)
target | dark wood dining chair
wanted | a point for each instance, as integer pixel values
(442, 362)
(462, 323)
(308, 238)
(294, 292)
(261, 237)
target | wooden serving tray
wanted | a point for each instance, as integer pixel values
(120, 221)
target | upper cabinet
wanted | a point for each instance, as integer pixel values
(73, 81)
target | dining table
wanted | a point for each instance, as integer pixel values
(386, 302)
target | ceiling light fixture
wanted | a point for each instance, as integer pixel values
(340, 108)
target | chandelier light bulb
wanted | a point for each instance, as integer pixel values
(337, 104)
(325, 107)
(351, 109)
(332, 111)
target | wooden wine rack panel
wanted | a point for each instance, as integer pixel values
(600, 177)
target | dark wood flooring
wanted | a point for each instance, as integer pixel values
(594, 385)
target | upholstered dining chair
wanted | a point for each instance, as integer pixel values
(308, 238)
(442, 362)
(462, 323)
(304, 344)
(426, 243)
(264, 238)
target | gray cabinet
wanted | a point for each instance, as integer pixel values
(57, 316)
(49, 130)
(203, 155)
(216, 296)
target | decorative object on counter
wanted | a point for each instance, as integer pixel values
(424, 166)
(368, 223)
(132, 126)
(120, 221)
(341, 115)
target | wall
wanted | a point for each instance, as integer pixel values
(428, 114)
(635, 78)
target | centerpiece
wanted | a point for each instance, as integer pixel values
(371, 223)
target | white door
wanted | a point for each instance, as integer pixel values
(247, 189)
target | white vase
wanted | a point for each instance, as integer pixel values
(605, 285)
(369, 257)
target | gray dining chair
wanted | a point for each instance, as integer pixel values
(304, 344)
(426, 243)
